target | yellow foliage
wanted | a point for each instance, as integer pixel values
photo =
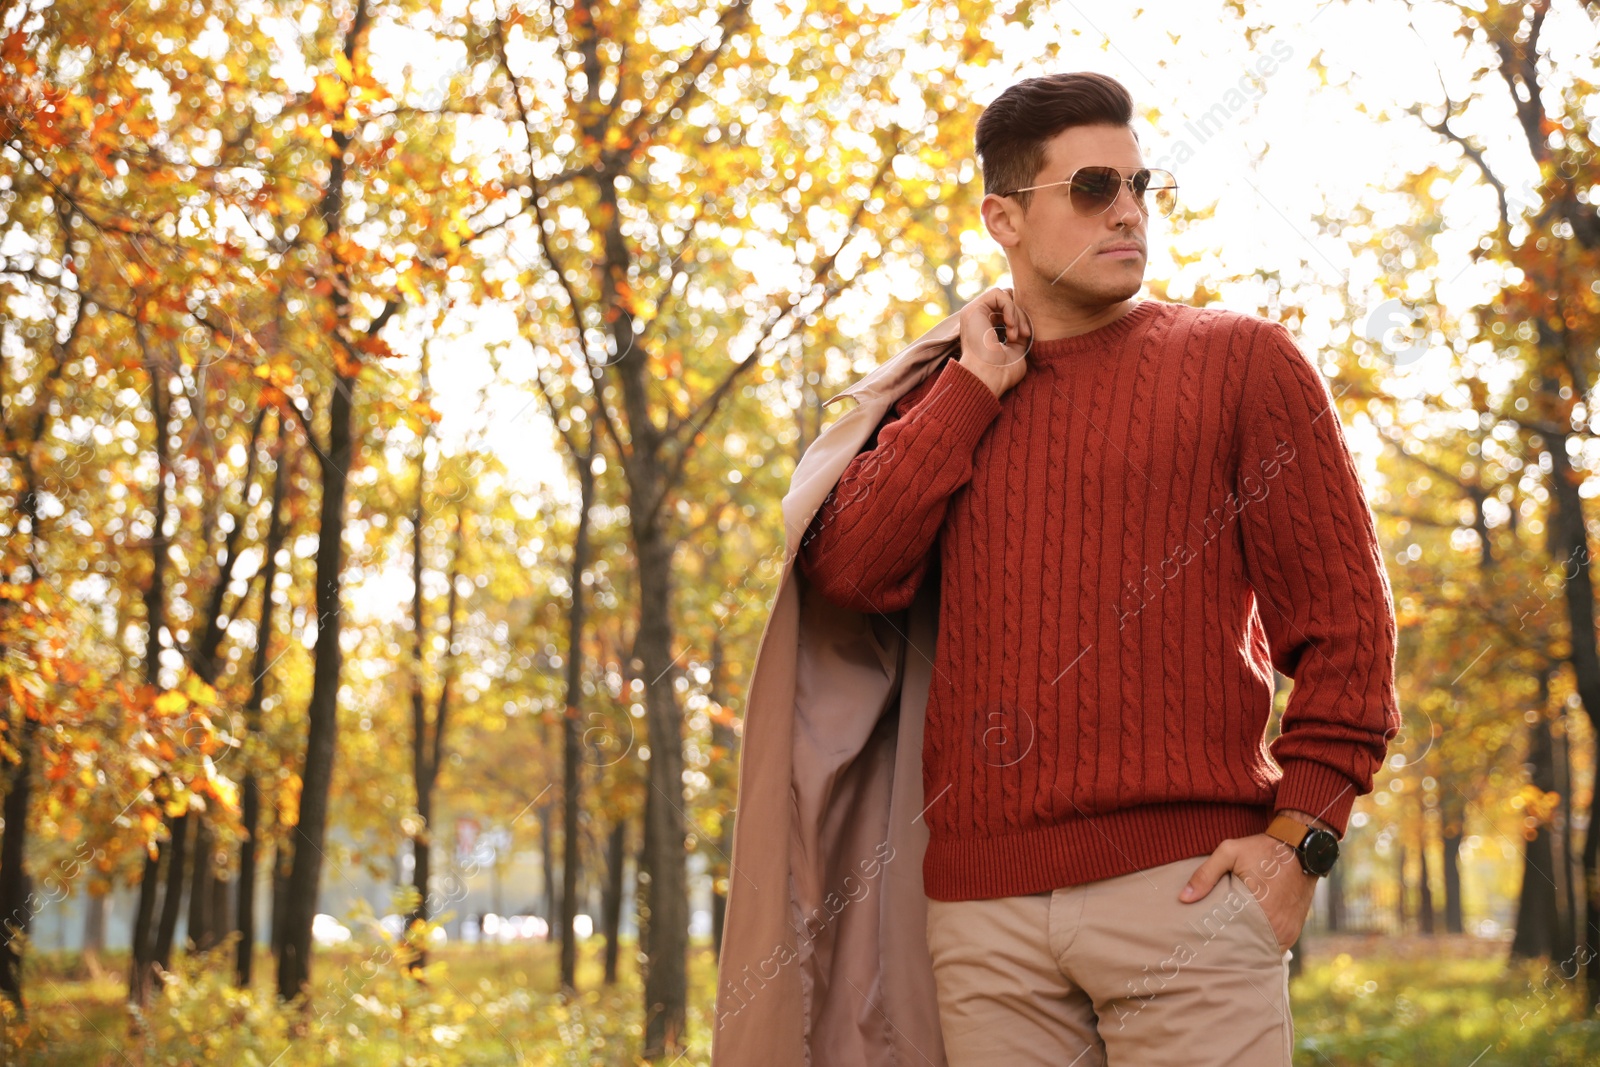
(331, 93)
(288, 800)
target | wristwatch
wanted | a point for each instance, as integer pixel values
(1316, 847)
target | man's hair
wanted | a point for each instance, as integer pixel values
(1014, 128)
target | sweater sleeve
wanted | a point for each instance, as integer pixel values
(1312, 556)
(869, 545)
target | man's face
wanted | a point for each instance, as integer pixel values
(1078, 260)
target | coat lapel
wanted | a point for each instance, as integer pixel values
(823, 960)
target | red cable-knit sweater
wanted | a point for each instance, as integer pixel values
(1127, 543)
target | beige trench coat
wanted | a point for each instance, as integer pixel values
(824, 961)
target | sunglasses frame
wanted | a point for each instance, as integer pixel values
(1126, 181)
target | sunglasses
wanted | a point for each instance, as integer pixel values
(1094, 189)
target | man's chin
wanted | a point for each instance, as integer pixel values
(1105, 290)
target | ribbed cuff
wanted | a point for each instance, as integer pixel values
(960, 403)
(1319, 790)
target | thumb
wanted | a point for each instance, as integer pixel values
(1205, 876)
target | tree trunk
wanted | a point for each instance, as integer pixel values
(725, 758)
(611, 899)
(421, 772)
(172, 899)
(666, 984)
(322, 714)
(200, 890)
(250, 792)
(1536, 936)
(13, 843)
(1400, 898)
(221, 915)
(142, 951)
(1570, 536)
(147, 952)
(1452, 818)
(1591, 938)
(94, 932)
(547, 866)
(571, 736)
(427, 740)
(652, 473)
(13, 878)
(1538, 923)
(205, 929)
(1335, 902)
(1452, 884)
(719, 893)
(15, 888)
(1424, 883)
(245, 904)
(1566, 867)
(641, 893)
(281, 858)
(422, 865)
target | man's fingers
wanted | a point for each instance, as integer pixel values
(1001, 310)
(983, 322)
(1205, 876)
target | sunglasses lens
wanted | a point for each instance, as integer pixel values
(1094, 189)
(1157, 187)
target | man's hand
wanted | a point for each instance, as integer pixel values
(1269, 869)
(999, 365)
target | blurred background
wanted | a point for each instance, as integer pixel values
(396, 399)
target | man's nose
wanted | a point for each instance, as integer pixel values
(1125, 208)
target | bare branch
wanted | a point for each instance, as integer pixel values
(702, 415)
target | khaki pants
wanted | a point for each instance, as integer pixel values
(1117, 972)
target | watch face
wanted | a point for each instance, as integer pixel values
(1319, 849)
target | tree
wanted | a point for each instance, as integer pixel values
(428, 733)
(643, 240)
(250, 800)
(1548, 267)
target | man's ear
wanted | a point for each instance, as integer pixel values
(1002, 219)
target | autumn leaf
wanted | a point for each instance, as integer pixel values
(288, 800)
(331, 93)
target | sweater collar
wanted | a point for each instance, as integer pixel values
(1100, 338)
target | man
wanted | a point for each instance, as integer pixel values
(1134, 512)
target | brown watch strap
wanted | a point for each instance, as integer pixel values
(1288, 829)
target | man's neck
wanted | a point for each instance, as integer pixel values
(1052, 322)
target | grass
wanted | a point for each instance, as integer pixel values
(1359, 1001)
(1445, 1000)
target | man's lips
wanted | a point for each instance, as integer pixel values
(1122, 251)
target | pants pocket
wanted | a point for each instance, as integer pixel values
(1258, 912)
